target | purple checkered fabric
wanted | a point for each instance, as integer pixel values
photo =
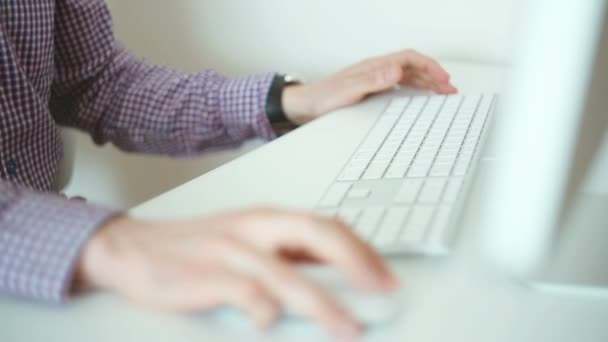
(60, 65)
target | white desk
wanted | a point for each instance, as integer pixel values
(447, 300)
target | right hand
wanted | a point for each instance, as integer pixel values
(245, 259)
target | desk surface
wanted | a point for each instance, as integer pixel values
(451, 299)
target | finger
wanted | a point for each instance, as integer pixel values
(222, 287)
(351, 89)
(295, 292)
(376, 80)
(341, 248)
(424, 81)
(448, 89)
(421, 83)
(253, 298)
(422, 63)
(328, 240)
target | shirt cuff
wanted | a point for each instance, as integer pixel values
(41, 238)
(243, 105)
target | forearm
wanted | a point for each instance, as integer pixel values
(149, 108)
(102, 88)
(41, 238)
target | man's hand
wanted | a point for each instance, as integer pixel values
(245, 259)
(303, 103)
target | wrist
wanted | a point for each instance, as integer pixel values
(298, 104)
(99, 260)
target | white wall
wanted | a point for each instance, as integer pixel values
(309, 37)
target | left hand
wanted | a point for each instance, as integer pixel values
(306, 102)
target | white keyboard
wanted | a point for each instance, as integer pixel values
(401, 185)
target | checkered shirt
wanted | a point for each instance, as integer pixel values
(60, 65)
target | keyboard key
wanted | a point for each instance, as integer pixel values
(375, 172)
(405, 123)
(424, 159)
(485, 105)
(441, 170)
(351, 174)
(396, 171)
(364, 155)
(382, 157)
(466, 156)
(453, 101)
(452, 191)
(446, 159)
(359, 193)
(399, 103)
(335, 195)
(418, 172)
(390, 147)
(453, 141)
(438, 231)
(405, 157)
(368, 221)
(393, 110)
(380, 163)
(469, 146)
(357, 164)
(411, 144)
(330, 213)
(417, 224)
(428, 149)
(373, 145)
(349, 215)
(432, 191)
(422, 163)
(461, 167)
(470, 102)
(395, 139)
(390, 229)
(409, 191)
(449, 149)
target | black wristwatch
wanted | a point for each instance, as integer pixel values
(274, 103)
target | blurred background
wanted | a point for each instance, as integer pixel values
(309, 38)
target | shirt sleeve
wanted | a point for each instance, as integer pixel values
(41, 237)
(102, 88)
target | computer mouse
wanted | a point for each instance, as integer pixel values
(371, 309)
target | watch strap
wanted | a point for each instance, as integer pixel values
(274, 101)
